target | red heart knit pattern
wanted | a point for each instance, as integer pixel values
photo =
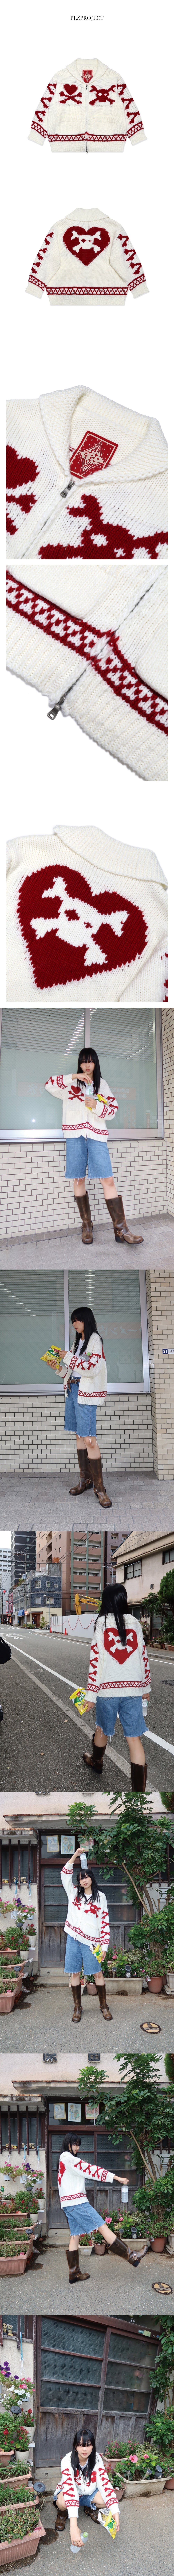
(63, 922)
(120, 1654)
(85, 242)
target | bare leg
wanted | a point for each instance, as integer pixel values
(109, 1188)
(80, 1185)
(92, 1445)
(136, 1748)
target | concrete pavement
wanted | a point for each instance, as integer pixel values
(138, 1502)
(146, 2532)
(44, 2020)
(57, 1250)
(114, 2287)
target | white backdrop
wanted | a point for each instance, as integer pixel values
(53, 773)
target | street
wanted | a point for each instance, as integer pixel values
(43, 1738)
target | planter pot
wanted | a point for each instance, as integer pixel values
(170, 2241)
(11, 2264)
(169, 2482)
(8, 2000)
(11, 2551)
(169, 1981)
(158, 2244)
(155, 1985)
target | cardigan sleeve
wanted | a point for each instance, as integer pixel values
(94, 1669)
(38, 129)
(110, 1103)
(123, 258)
(66, 1875)
(70, 2491)
(45, 266)
(90, 1359)
(145, 1670)
(56, 1082)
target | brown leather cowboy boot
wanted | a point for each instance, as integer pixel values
(76, 1992)
(104, 2007)
(98, 1486)
(74, 2267)
(61, 2517)
(139, 1775)
(94, 1760)
(122, 1231)
(84, 1478)
(82, 1202)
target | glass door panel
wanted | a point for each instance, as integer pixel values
(31, 1318)
(115, 1302)
(33, 1045)
(126, 1045)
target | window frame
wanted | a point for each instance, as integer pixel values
(115, 1386)
(53, 1135)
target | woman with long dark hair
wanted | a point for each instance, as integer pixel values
(87, 1104)
(81, 2215)
(118, 1674)
(85, 1380)
(84, 2481)
(87, 1928)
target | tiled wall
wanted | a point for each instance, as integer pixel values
(160, 1317)
(35, 1197)
(33, 1439)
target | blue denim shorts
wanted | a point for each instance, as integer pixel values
(80, 1418)
(78, 1955)
(83, 1150)
(128, 1709)
(82, 2217)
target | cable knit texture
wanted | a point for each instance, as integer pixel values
(88, 1921)
(86, 105)
(88, 254)
(83, 1112)
(72, 2172)
(89, 1367)
(114, 1668)
(95, 643)
(86, 476)
(87, 913)
(73, 2488)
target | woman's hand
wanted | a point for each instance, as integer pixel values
(75, 2534)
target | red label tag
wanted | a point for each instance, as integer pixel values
(87, 76)
(93, 452)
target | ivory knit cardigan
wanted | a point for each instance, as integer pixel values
(90, 1368)
(90, 254)
(88, 1921)
(73, 2488)
(87, 914)
(93, 640)
(86, 476)
(72, 2172)
(86, 105)
(114, 1668)
(84, 1111)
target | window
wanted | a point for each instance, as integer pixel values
(35, 1311)
(168, 1556)
(34, 1044)
(130, 1571)
(118, 1302)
